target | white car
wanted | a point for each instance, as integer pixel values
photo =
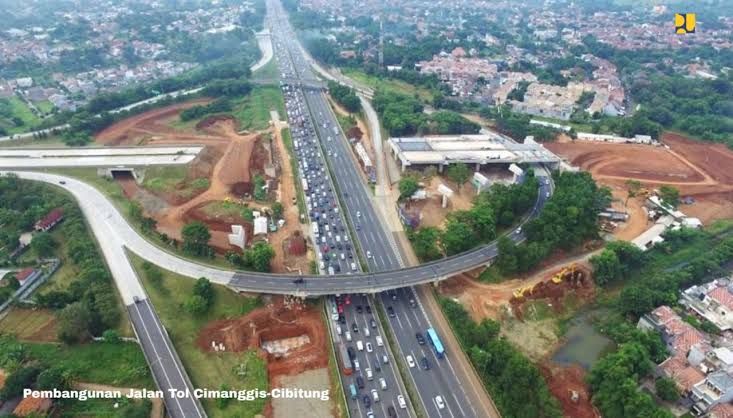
(439, 402)
(338, 328)
(369, 254)
(410, 361)
(348, 336)
(380, 343)
(360, 345)
(369, 374)
(369, 347)
(401, 401)
(518, 230)
(366, 332)
(356, 365)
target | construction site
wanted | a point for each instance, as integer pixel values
(699, 170)
(217, 186)
(291, 336)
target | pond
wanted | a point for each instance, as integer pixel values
(582, 344)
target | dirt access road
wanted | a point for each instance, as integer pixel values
(229, 161)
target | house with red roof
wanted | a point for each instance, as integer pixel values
(50, 220)
(25, 274)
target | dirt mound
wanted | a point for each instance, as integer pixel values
(213, 120)
(567, 384)
(292, 331)
(204, 163)
(237, 161)
(123, 132)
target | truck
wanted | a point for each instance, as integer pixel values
(304, 182)
(314, 228)
(346, 367)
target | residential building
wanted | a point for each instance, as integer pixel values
(50, 220)
(717, 388)
(712, 301)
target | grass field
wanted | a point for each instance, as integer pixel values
(25, 324)
(253, 111)
(267, 72)
(116, 364)
(106, 408)
(207, 370)
(44, 106)
(222, 209)
(18, 109)
(389, 84)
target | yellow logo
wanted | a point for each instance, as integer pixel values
(684, 23)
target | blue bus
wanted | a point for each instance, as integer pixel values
(435, 342)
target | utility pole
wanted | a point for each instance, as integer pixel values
(381, 43)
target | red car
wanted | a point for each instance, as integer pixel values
(341, 308)
(348, 299)
(325, 248)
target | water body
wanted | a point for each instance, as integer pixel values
(582, 344)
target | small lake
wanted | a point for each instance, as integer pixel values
(582, 344)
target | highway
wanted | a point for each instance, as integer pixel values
(160, 354)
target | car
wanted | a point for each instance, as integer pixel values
(424, 363)
(369, 254)
(360, 345)
(356, 365)
(380, 343)
(367, 401)
(390, 312)
(547, 194)
(135, 299)
(369, 374)
(385, 359)
(518, 230)
(413, 304)
(360, 382)
(369, 310)
(62, 182)
(348, 336)
(369, 347)
(410, 361)
(401, 402)
(420, 338)
(372, 323)
(359, 309)
(358, 227)
(375, 395)
(366, 332)
(352, 353)
(355, 327)
(338, 329)
(358, 214)
(377, 367)
(391, 412)
(370, 414)
(342, 319)
(382, 383)
(439, 402)
(393, 294)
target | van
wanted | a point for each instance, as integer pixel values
(360, 345)
(352, 389)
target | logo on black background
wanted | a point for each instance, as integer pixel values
(684, 23)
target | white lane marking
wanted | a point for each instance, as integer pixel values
(155, 350)
(459, 404)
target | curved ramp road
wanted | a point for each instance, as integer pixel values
(113, 231)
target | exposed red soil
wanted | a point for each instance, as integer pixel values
(698, 169)
(285, 317)
(562, 382)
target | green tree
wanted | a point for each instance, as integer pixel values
(19, 380)
(667, 389)
(205, 289)
(457, 237)
(43, 244)
(459, 173)
(277, 210)
(632, 189)
(259, 256)
(196, 237)
(196, 305)
(74, 321)
(408, 186)
(670, 195)
(111, 336)
(54, 377)
(606, 267)
(425, 243)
